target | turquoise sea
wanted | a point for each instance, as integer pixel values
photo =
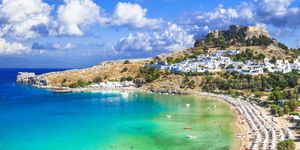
(37, 119)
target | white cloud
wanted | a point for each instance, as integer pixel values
(133, 16)
(277, 13)
(7, 48)
(272, 8)
(63, 46)
(138, 41)
(298, 43)
(31, 18)
(23, 19)
(74, 15)
(171, 39)
(219, 18)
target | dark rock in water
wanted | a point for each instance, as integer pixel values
(169, 91)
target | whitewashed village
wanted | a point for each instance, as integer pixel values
(220, 61)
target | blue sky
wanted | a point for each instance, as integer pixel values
(81, 33)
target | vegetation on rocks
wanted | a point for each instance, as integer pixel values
(286, 145)
(126, 62)
(277, 86)
(79, 84)
(125, 69)
(248, 55)
(149, 74)
(97, 79)
(233, 80)
(187, 83)
(129, 78)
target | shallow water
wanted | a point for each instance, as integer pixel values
(39, 119)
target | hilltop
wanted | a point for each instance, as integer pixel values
(240, 38)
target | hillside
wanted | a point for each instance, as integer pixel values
(106, 71)
(244, 39)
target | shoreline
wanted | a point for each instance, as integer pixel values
(241, 138)
(254, 127)
(240, 130)
(264, 130)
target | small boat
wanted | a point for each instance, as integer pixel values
(187, 105)
(169, 116)
(124, 95)
(187, 128)
(192, 136)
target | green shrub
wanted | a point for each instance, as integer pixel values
(97, 79)
(292, 104)
(125, 69)
(79, 84)
(286, 109)
(126, 62)
(286, 145)
(149, 74)
(274, 109)
(294, 113)
(126, 79)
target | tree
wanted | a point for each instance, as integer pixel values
(63, 82)
(289, 94)
(187, 83)
(191, 84)
(125, 69)
(170, 60)
(286, 145)
(97, 79)
(230, 66)
(126, 62)
(292, 104)
(206, 72)
(261, 57)
(276, 95)
(149, 74)
(273, 60)
(286, 109)
(283, 46)
(79, 83)
(292, 79)
(274, 109)
(126, 79)
(280, 112)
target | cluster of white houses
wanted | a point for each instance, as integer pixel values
(113, 85)
(220, 61)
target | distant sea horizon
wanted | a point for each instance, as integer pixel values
(33, 118)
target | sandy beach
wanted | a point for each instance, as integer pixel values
(257, 129)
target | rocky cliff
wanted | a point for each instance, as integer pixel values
(31, 79)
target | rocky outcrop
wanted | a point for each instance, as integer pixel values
(248, 32)
(171, 91)
(236, 35)
(31, 79)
